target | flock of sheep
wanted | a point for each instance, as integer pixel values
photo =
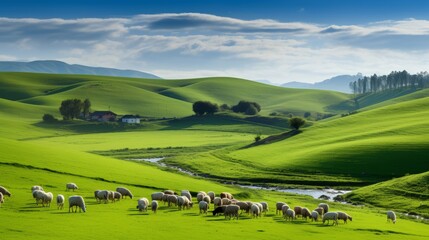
(223, 204)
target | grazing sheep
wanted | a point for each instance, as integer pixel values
(1, 198)
(290, 214)
(325, 207)
(170, 192)
(231, 211)
(297, 210)
(217, 202)
(279, 206)
(38, 195)
(36, 187)
(226, 201)
(203, 206)
(330, 216)
(157, 196)
(72, 186)
(165, 198)
(344, 216)
(187, 194)
(60, 201)
(154, 206)
(391, 216)
(117, 196)
(320, 211)
(314, 216)
(264, 207)
(172, 199)
(200, 196)
(111, 195)
(183, 202)
(142, 204)
(255, 211)
(305, 213)
(124, 192)
(47, 199)
(204, 193)
(207, 199)
(244, 206)
(219, 210)
(4, 191)
(226, 195)
(78, 202)
(212, 195)
(284, 210)
(101, 195)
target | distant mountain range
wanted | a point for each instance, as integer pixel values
(50, 66)
(339, 83)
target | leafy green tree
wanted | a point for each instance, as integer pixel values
(49, 118)
(204, 107)
(296, 122)
(71, 108)
(246, 107)
(86, 107)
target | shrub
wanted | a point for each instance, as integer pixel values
(296, 122)
(49, 118)
(204, 107)
(246, 107)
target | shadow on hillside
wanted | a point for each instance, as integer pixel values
(274, 138)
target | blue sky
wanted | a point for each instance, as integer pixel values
(280, 41)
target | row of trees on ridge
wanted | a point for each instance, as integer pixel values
(206, 107)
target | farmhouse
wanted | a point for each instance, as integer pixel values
(130, 119)
(103, 116)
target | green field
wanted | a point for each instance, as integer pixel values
(386, 139)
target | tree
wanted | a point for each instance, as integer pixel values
(49, 118)
(204, 107)
(71, 108)
(296, 122)
(246, 107)
(86, 107)
(307, 114)
(225, 107)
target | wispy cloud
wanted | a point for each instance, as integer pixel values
(194, 44)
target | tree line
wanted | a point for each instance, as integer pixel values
(394, 80)
(205, 107)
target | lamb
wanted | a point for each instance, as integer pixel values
(279, 206)
(391, 216)
(244, 206)
(1, 198)
(125, 192)
(172, 199)
(284, 210)
(226, 201)
(142, 204)
(297, 210)
(170, 192)
(219, 210)
(200, 196)
(290, 214)
(231, 211)
(330, 216)
(154, 206)
(314, 216)
(101, 195)
(217, 201)
(72, 186)
(325, 207)
(226, 195)
(157, 196)
(255, 211)
(36, 187)
(305, 213)
(187, 194)
(117, 196)
(4, 191)
(47, 199)
(344, 216)
(60, 201)
(203, 206)
(207, 199)
(212, 195)
(78, 202)
(264, 207)
(320, 211)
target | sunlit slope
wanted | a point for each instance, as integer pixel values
(385, 142)
(409, 194)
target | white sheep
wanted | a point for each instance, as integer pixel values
(117, 196)
(320, 210)
(279, 206)
(154, 206)
(165, 198)
(38, 195)
(187, 194)
(330, 216)
(284, 209)
(157, 196)
(226, 195)
(314, 216)
(203, 206)
(200, 196)
(244, 206)
(231, 211)
(207, 199)
(60, 201)
(217, 202)
(36, 187)
(255, 211)
(5, 191)
(142, 204)
(226, 201)
(101, 195)
(391, 216)
(325, 207)
(172, 199)
(125, 192)
(170, 192)
(47, 199)
(1, 198)
(111, 195)
(265, 208)
(290, 214)
(305, 212)
(182, 202)
(78, 202)
(212, 195)
(72, 186)
(344, 216)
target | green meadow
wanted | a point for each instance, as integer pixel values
(381, 152)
